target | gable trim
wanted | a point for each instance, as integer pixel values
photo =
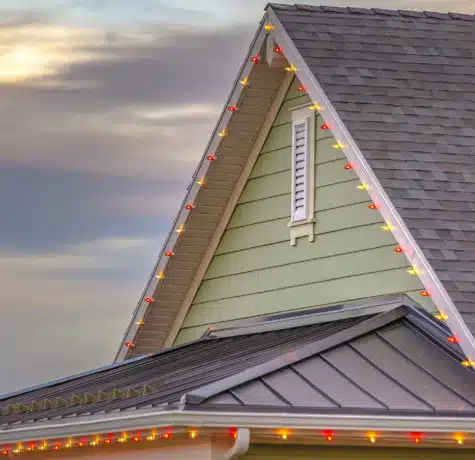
(228, 211)
(394, 221)
(192, 192)
(200, 394)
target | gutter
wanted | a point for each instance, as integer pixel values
(241, 446)
(93, 425)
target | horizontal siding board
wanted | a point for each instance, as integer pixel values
(272, 162)
(310, 271)
(269, 232)
(279, 183)
(277, 207)
(334, 243)
(306, 296)
(285, 114)
(278, 138)
(289, 452)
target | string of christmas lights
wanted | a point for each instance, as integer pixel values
(328, 435)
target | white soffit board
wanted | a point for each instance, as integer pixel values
(393, 220)
(193, 190)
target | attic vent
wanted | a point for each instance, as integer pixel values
(303, 174)
(300, 172)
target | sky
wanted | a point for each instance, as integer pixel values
(105, 109)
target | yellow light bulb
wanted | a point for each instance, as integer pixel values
(151, 437)
(269, 27)
(140, 322)
(245, 81)
(160, 276)
(181, 229)
(363, 187)
(201, 182)
(223, 133)
(441, 316)
(291, 68)
(459, 440)
(339, 145)
(413, 271)
(316, 107)
(468, 363)
(284, 436)
(387, 228)
(193, 434)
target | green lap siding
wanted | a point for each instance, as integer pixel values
(268, 452)
(255, 270)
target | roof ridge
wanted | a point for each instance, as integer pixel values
(373, 11)
(198, 395)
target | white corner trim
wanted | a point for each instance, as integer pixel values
(228, 211)
(241, 445)
(190, 197)
(399, 229)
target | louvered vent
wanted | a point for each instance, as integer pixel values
(300, 172)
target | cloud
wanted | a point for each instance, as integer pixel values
(65, 311)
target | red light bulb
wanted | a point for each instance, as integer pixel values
(56, 448)
(189, 207)
(166, 435)
(128, 345)
(348, 166)
(424, 294)
(324, 127)
(255, 59)
(397, 249)
(211, 157)
(80, 444)
(301, 89)
(372, 206)
(136, 438)
(149, 300)
(277, 49)
(232, 108)
(169, 253)
(5, 452)
(452, 339)
(328, 435)
(107, 441)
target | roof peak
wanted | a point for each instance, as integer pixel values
(373, 11)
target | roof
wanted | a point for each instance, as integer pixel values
(333, 363)
(403, 84)
(398, 91)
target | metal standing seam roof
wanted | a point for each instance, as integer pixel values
(395, 360)
(403, 83)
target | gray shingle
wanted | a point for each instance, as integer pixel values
(403, 83)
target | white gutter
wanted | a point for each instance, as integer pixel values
(241, 446)
(93, 425)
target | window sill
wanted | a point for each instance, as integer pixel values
(300, 229)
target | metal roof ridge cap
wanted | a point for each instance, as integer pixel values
(200, 394)
(396, 223)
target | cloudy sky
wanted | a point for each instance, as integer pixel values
(105, 108)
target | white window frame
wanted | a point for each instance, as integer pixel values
(302, 224)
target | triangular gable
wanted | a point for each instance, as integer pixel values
(391, 362)
(151, 327)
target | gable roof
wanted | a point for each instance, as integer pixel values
(329, 366)
(395, 88)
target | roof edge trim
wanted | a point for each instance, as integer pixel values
(192, 191)
(200, 394)
(220, 419)
(376, 191)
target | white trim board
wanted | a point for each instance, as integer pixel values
(193, 190)
(361, 167)
(156, 419)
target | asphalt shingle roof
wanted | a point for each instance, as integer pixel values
(403, 82)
